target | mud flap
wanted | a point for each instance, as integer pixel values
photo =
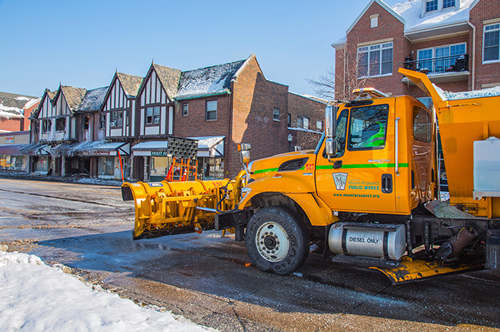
(412, 270)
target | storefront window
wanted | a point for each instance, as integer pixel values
(211, 168)
(160, 166)
(107, 166)
(41, 164)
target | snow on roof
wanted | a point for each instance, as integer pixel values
(340, 42)
(93, 99)
(207, 81)
(208, 141)
(12, 105)
(10, 114)
(31, 103)
(151, 145)
(411, 11)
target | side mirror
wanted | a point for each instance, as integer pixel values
(245, 157)
(331, 131)
(244, 152)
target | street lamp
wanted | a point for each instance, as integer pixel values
(290, 139)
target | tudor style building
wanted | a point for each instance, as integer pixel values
(455, 42)
(54, 127)
(123, 131)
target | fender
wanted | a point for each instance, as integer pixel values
(301, 192)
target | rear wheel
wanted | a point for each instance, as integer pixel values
(276, 241)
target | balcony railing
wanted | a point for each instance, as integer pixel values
(441, 65)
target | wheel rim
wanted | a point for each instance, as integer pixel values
(272, 241)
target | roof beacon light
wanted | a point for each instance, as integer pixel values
(368, 93)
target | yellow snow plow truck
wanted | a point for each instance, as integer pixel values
(367, 195)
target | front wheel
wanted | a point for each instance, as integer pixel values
(276, 241)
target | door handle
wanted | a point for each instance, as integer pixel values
(387, 183)
(337, 164)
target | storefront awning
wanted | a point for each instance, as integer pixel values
(210, 146)
(11, 149)
(36, 149)
(177, 147)
(102, 148)
(144, 148)
(63, 149)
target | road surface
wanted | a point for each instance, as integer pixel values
(207, 278)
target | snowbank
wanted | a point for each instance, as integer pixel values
(36, 297)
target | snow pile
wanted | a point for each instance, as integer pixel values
(36, 297)
(491, 92)
(411, 11)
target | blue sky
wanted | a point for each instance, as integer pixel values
(82, 43)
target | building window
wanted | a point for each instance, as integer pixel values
(153, 115)
(303, 122)
(116, 118)
(491, 43)
(438, 59)
(106, 166)
(276, 114)
(86, 122)
(102, 121)
(60, 124)
(431, 5)
(374, 21)
(185, 109)
(319, 125)
(448, 3)
(375, 60)
(211, 113)
(289, 119)
(46, 126)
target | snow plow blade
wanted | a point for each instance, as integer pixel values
(166, 208)
(413, 270)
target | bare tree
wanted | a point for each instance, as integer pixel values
(340, 85)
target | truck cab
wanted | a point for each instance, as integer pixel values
(384, 162)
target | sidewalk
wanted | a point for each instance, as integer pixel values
(53, 178)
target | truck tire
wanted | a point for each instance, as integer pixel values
(276, 241)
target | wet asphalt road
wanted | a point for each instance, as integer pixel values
(206, 278)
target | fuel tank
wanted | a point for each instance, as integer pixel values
(384, 241)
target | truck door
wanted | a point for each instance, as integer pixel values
(360, 177)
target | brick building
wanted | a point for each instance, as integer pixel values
(456, 42)
(123, 131)
(15, 110)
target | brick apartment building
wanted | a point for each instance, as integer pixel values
(15, 110)
(121, 131)
(456, 42)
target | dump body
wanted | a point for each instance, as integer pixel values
(464, 119)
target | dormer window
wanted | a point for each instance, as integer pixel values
(431, 5)
(448, 3)
(438, 5)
